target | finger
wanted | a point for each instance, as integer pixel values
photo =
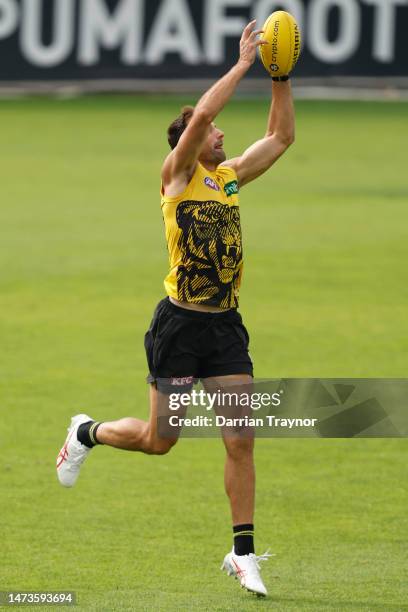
(247, 32)
(258, 43)
(254, 35)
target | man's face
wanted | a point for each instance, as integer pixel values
(213, 149)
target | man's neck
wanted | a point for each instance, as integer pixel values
(210, 166)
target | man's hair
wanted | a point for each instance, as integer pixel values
(179, 125)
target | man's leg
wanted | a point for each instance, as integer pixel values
(239, 472)
(136, 435)
(239, 479)
(129, 434)
(241, 562)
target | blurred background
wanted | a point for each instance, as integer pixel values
(173, 45)
(87, 90)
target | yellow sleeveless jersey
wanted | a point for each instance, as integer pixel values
(203, 234)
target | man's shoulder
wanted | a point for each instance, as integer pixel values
(227, 171)
(166, 166)
(176, 183)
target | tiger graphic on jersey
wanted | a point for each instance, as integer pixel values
(210, 242)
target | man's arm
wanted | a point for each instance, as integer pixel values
(279, 136)
(183, 158)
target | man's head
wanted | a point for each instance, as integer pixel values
(213, 149)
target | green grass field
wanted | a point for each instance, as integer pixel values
(325, 294)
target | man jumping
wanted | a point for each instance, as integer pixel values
(196, 331)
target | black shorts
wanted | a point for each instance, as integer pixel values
(185, 345)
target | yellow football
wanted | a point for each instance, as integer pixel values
(282, 34)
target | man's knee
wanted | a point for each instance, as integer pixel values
(239, 448)
(161, 446)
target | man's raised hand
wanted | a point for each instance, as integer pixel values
(249, 43)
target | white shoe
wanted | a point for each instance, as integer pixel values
(73, 453)
(246, 569)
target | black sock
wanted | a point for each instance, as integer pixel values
(87, 433)
(243, 539)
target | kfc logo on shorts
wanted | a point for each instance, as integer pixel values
(180, 382)
(210, 183)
